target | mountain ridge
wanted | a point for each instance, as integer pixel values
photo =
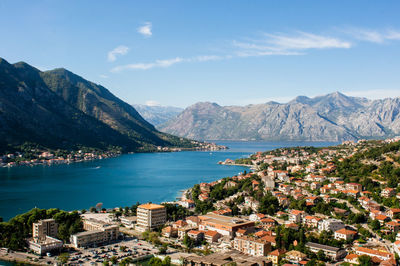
(58, 109)
(331, 117)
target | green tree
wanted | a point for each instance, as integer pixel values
(63, 258)
(364, 260)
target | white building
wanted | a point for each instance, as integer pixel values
(150, 216)
(330, 225)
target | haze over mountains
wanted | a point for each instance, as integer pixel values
(333, 117)
(156, 114)
(58, 109)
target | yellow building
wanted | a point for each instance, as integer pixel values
(150, 216)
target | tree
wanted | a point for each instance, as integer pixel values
(364, 260)
(63, 258)
(154, 261)
(92, 209)
(166, 261)
(113, 260)
(321, 255)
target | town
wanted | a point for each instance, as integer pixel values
(28, 155)
(337, 205)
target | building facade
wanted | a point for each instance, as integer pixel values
(150, 216)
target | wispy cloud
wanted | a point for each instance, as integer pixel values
(284, 44)
(374, 36)
(103, 76)
(166, 62)
(268, 44)
(145, 30)
(120, 50)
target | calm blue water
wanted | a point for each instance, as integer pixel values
(120, 181)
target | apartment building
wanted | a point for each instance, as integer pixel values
(43, 228)
(150, 216)
(251, 246)
(44, 233)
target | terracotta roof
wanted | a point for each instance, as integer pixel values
(151, 206)
(346, 232)
(381, 217)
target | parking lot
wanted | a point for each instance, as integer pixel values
(127, 248)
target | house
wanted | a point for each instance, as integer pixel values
(169, 231)
(212, 236)
(393, 226)
(354, 186)
(311, 221)
(295, 256)
(382, 218)
(268, 222)
(388, 192)
(315, 185)
(187, 203)
(276, 255)
(179, 224)
(312, 200)
(193, 221)
(196, 235)
(296, 216)
(271, 239)
(351, 259)
(393, 213)
(345, 234)
(329, 251)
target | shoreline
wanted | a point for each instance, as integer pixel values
(105, 155)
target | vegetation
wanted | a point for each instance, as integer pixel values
(14, 232)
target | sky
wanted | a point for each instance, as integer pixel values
(177, 53)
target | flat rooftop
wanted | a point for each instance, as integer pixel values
(151, 206)
(223, 220)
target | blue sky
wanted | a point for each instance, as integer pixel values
(230, 52)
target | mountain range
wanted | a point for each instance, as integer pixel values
(156, 114)
(332, 117)
(59, 109)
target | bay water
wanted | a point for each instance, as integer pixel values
(121, 181)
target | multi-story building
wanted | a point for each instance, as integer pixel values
(43, 240)
(388, 192)
(98, 232)
(330, 225)
(43, 228)
(150, 216)
(225, 225)
(251, 246)
(296, 216)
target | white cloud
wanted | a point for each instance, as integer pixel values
(152, 103)
(373, 35)
(120, 50)
(375, 94)
(283, 44)
(103, 76)
(166, 63)
(145, 30)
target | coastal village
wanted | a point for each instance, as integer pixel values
(37, 156)
(338, 205)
